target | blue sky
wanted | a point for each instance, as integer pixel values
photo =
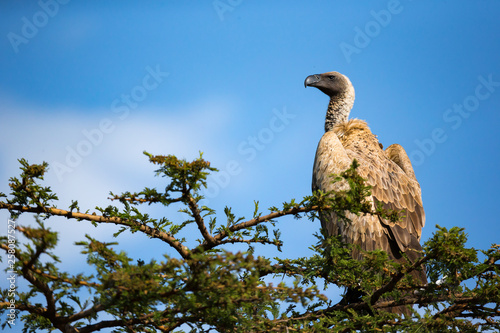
(87, 86)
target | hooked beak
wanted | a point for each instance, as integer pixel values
(312, 80)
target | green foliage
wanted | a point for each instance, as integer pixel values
(209, 287)
(26, 191)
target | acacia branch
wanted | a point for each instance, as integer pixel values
(218, 238)
(248, 241)
(74, 282)
(26, 270)
(141, 200)
(109, 323)
(193, 206)
(457, 309)
(45, 289)
(409, 300)
(143, 320)
(52, 277)
(84, 313)
(396, 278)
(266, 218)
(152, 232)
(26, 307)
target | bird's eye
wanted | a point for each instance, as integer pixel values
(331, 77)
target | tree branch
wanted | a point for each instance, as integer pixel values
(396, 278)
(218, 238)
(193, 206)
(248, 241)
(45, 289)
(133, 199)
(84, 313)
(410, 300)
(152, 232)
(52, 277)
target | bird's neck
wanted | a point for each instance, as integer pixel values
(338, 109)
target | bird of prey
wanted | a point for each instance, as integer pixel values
(389, 172)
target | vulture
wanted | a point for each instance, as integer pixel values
(389, 173)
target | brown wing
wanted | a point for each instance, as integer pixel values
(395, 190)
(365, 231)
(388, 172)
(414, 210)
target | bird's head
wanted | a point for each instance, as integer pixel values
(331, 83)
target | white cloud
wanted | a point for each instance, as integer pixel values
(113, 162)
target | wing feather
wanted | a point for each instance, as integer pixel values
(393, 184)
